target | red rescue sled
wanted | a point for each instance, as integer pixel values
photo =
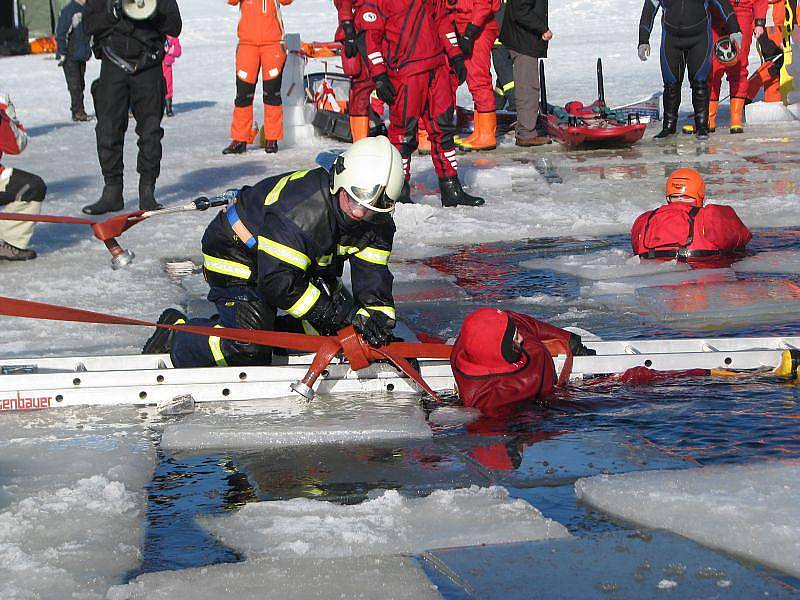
(595, 125)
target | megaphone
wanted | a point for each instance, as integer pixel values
(139, 10)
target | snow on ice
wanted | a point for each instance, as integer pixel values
(746, 510)
(385, 524)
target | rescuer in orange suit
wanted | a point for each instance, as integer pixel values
(354, 53)
(685, 228)
(260, 46)
(751, 16)
(477, 30)
(771, 47)
(500, 359)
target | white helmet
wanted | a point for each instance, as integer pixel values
(371, 172)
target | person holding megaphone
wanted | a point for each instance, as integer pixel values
(129, 39)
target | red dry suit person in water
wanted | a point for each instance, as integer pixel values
(685, 228)
(409, 45)
(500, 359)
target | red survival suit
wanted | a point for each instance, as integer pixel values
(261, 46)
(485, 379)
(479, 70)
(408, 39)
(749, 14)
(684, 231)
(356, 69)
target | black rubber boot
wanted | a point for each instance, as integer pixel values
(170, 113)
(161, 341)
(405, 195)
(672, 102)
(270, 146)
(700, 105)
(454, 195)
(110, 201)
(147, 195)
(235, 148)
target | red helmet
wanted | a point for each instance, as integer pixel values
(684, 185)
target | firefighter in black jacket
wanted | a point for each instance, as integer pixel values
(686, 43)
(130, 78)
(282, 246)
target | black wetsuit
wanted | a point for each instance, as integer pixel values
(686, 44)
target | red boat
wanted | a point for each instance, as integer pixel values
(595, 125)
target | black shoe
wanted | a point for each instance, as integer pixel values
(9, 252)
(700, 97)
(161, 341)
(147, 197)
(405, 195)
(80, 115)
(270, 146)
(235, 148)
(672, 102)
(110, 201)
(454, 195)
(169, 108)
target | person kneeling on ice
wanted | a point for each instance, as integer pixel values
(500, 359)
(685, 228)
(282, 246)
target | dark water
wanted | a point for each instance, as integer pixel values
(537, 454)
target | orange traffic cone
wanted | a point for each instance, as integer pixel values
(737, 110)
(484, 136)
(359, 127)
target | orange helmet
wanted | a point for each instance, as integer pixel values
(686, 184)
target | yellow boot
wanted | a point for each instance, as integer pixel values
(484, 136)
(713, 106)
(737, 110)
(359, 128)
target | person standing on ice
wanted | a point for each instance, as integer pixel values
(260, 46)
(172, 51)
(130, 78)
(477, 31)
(526, 34)
(282, 246)
(72, 54)
(409, 45)
(686, 43)
(20, 192)
(685, 228)
(500, 359)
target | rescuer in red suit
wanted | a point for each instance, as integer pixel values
(409, 45)
(684, 228)
(751, 15)
(355, 67)
(500, 359)
(477, 31)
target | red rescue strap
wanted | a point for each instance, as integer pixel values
(358, 353)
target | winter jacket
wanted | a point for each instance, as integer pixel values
(477, 12)
(260, 21)
(684, 230)
(172, 50)
(524, 23)
(13, 138)
(406, 37)
(72, 41)
(286, 234)
(485, 379)
(683, 18)
(130, 39)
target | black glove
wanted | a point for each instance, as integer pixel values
(467, 39)
(384, 88)
(252, 314)
(457, 62)
(324, 317)
(376, 329)
(577, 348)
(350, 48)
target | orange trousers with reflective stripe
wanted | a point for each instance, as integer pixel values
(269, 58)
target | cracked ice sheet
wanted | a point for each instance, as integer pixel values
(386, 577)
(746, 510)
(72, 500)
(352, 419)
(385, 524)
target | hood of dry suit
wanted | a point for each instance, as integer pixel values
(484, 345)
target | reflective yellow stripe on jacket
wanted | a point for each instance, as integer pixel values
(387, 310)
(305, 303)
(274, 193)
(284, 253)
(223, 266)
(216, 351)
(374, 255)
